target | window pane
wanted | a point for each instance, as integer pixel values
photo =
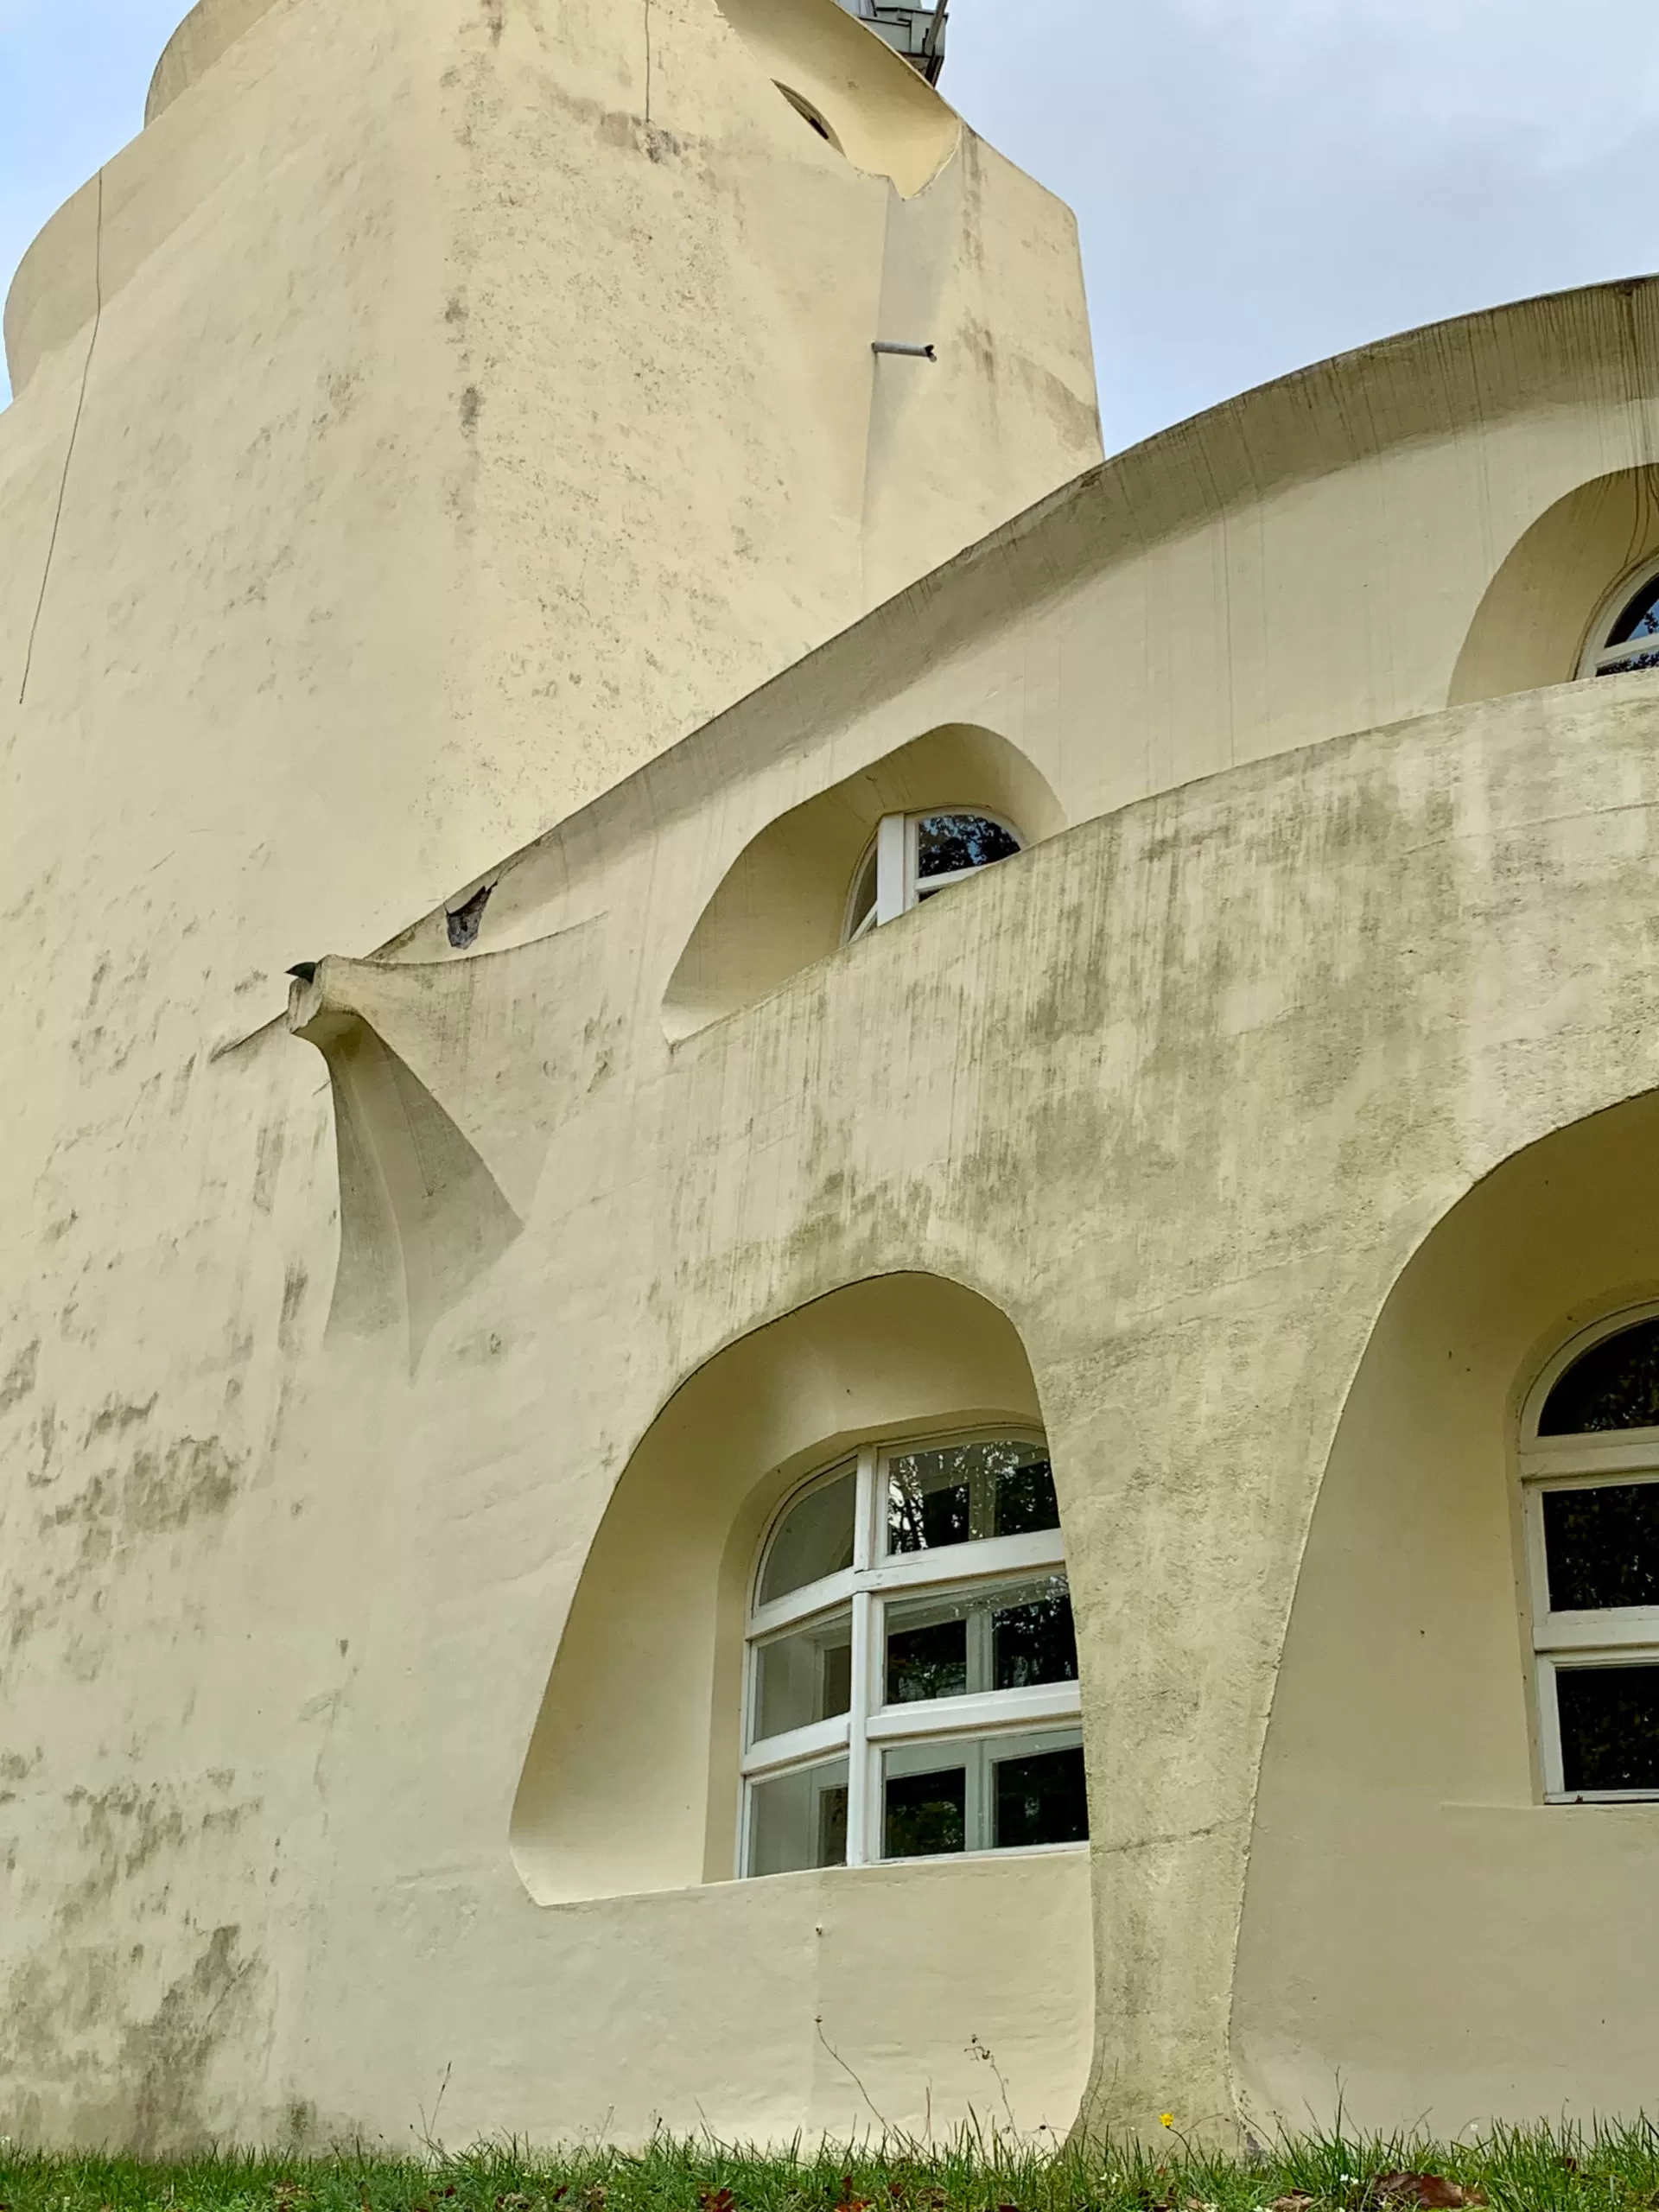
(799, 1819)
(1008, 1638)
(804, 1677)
(1041, 1798)
(814, 1540)
(1024, 1502)
(958, 1492)
(925, 1815)
(1614, 1385)
(927, 1653)
(1640, 618)
(947, 842)
(1602, 1546)
(1610, 1726)
(1629, 664)
(1032, 1639)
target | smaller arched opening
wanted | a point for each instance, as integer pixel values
(913, 857)
(1569, 598)
(874, 847)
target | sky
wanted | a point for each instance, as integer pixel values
(1259, 183)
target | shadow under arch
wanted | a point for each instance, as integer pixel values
(1531, 625)
(1423, 1939)
(631, 1783)
(783, 903)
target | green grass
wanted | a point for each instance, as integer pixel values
(1534, 2170)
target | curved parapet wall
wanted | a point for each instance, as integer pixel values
(210, 28)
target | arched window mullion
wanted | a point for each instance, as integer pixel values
(1590, 1489)
(895, 875)
(1624, 636)
(974, 1744)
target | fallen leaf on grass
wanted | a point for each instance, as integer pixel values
(1298, 2201)
(1432, 2191)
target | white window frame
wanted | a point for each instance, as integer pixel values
(1624, 1636)
(900, 887)
(1598, 657)
(1048, 1713)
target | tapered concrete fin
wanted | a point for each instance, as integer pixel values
(421, 1216)
(474, 1033)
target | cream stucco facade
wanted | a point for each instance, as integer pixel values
(461, 544)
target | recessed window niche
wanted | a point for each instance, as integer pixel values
(634, 1777)
(785, 901)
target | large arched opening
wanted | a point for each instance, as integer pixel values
(912, 1971)
(1424, 1933)
(631, 1784)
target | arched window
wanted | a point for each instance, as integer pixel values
(1625, 634)
(1590, 1471)
(913, 1668)
(912, 857)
